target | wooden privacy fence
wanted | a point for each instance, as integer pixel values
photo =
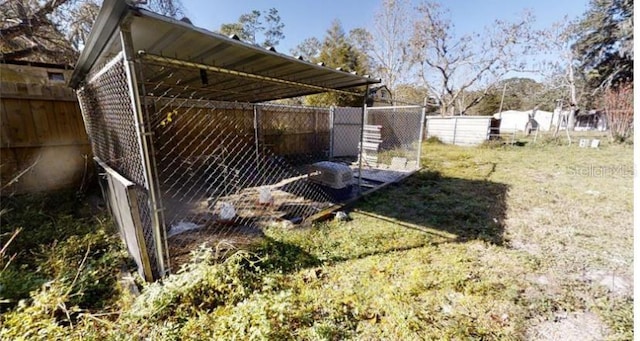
(282, 130)
(43, 144)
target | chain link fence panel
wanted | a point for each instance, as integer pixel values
(226, 169)
(111, 126)
(392, 137)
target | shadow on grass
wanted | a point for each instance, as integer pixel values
(468, 209)
(283, 256)
(425, 210)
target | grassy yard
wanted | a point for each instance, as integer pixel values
(503, 243)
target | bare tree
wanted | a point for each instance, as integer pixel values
(390, 41)
(27, 29)
(450, 66)
(561, 67)
(249, 25)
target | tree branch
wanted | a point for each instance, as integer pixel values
(37, 19)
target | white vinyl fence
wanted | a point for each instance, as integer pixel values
(459, 130)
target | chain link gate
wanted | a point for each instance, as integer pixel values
(111, 124)
(391, 138)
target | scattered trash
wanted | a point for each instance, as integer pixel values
(592, 192)
(287, 225)
(296, 220)
(398, 162)
(341, 216)
(182, 226)
(584, 143)
(227, 211)
(265, 197)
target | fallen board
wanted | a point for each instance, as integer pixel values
(381, 175)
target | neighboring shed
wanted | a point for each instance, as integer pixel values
(592, 120)
(515, 120)
(459, 130)
(43, 142)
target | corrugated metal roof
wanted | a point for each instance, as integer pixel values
(175, 40)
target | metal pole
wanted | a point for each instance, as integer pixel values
(502, 101)
(154, 169)
(177, 62)
(127, 47)
(364, 110)
(256, 136)
(455, 127)
(332, 117)
(422, 117)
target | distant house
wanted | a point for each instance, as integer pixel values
(592, 120)
(379, 96)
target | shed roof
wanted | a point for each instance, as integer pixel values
(235, 70)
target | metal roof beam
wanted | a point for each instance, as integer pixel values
(177, 62)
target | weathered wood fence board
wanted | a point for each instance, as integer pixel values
(42, 131)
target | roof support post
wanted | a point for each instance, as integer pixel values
(423, 113)
(145, 150)
(362, 119)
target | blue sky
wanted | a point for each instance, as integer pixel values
(304, 19)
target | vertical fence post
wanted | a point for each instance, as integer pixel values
(455, 128)
(332, 117)
(363, 117)
(145, 152)
(256, 135)
(422, 118)
(154, 169)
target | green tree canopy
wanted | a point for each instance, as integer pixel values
(337, 50)
(519, 94)
(605, 42)
(250, 26)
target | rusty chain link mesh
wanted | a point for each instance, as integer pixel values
(110, 124)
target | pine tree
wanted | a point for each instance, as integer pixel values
(339, 51)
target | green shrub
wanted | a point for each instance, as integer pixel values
(16, 283)
(433, 140)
